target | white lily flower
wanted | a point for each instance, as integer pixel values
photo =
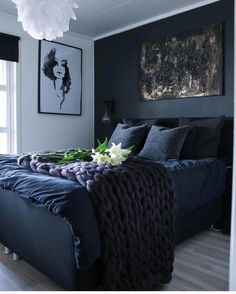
(117, 160)
(101, 158)
(115, 150)
(114, 155)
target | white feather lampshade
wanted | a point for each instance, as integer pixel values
(45, 19)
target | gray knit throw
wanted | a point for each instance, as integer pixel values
(134, 205)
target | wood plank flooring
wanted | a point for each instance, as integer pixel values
(201, 263)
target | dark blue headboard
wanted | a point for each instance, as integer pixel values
(226, 144)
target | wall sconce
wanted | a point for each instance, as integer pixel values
(106, 118)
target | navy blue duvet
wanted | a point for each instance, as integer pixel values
(197, 182)
(61, 197)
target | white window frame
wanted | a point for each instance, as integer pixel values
(10, 89)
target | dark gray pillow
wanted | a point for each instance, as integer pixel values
(129, 136)
(203, 138)
(163, 143)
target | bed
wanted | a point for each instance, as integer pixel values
(46, 240)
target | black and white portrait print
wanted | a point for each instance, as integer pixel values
(60, 80)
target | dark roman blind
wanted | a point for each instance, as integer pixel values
(9, 47)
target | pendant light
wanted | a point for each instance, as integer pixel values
(45, 19)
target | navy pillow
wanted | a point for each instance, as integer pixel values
(129, 136)
(163, 143)
(203, 138)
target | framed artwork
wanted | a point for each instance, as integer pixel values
(181, 66)
(60, 79)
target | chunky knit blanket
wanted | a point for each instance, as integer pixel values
(134, 204)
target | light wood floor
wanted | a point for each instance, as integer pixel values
(201, 263)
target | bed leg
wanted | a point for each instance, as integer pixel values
(15, 257)
(6, 250)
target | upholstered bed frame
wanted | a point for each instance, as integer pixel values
(32, 232)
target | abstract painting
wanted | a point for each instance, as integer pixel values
(60, 78)
(186, 65)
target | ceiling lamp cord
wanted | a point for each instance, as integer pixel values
(45, 19)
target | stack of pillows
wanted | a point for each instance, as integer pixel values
(192, 139)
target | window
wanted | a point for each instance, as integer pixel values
(7, 107)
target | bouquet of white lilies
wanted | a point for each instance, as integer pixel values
(114, 155)
(103, 154)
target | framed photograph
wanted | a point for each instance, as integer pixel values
(60, 79)
(182, 66)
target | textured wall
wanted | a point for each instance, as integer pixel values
(117, 62)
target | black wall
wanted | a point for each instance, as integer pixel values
(117, 62)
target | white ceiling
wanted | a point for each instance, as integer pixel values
(97, 18)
